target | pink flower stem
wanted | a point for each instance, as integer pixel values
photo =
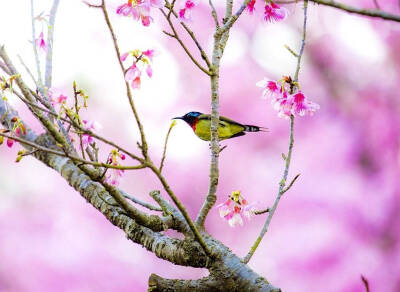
(281, 191)
(303, 43)
(288, 157)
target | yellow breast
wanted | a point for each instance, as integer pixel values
(225, 130)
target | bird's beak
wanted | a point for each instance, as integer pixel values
(177, 118)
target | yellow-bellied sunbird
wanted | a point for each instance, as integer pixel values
(227, 128)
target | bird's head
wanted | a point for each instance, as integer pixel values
(190, 117)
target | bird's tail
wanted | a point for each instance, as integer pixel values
(250, 128)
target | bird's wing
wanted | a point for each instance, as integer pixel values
(223, 121)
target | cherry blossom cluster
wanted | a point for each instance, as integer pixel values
(90, 125)
(186, 10)
(40, 43)
(18, 128)
(141, 60)
(114, 175)
(272, 11)
(139, 10)
(59, 100)
(287, 104)
(235, 209)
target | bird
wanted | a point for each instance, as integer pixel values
(227, 128)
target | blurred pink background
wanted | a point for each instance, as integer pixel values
(340, 220)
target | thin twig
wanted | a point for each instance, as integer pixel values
(220, 40)
(149, 164)
(79, 128)
(282, 183)
(214, 13)
(165, 146)
(232, 19)
(171, 8)
(4, 68)
(351, 9)
(365, 282)
(181, 208)
(27, 70)
(229, 9)
(143, 145)
(193, 37)
(27, 92)
(291, 51)
(35, 51)
(261, 211)
(176, 36)
(140, 202)
(72, 157)
(50, 34)
(76, 106)
(303, 42)
(290, 184)
(277, 199)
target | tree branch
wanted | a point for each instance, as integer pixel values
(282, 183)
(139, 202)
(176, 36)
(220, 40)
(49, 56)
(48, 125)
(181, 208)
(192, 35)
(143, 145)
(352, 9)
(232, 19)
(214, 13)
(72, 157)
(35, 51)
(165, 146)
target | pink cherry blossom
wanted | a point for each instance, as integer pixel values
(302, 106)
(132, 73)
(18, 126)
(41, 44)
(149, 71)
(58, 100)
(139, 9)
(90, 126)
(114, 175)
(270, 87)
(250, 6)
(136, 83)
(10, 142)
(285, 104)
(235, 208)
(124, 56)
(274, 12)
(150, 54)
(142, 61)
(185, 13)
(125, 9)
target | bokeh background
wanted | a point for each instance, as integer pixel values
(340, 220)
